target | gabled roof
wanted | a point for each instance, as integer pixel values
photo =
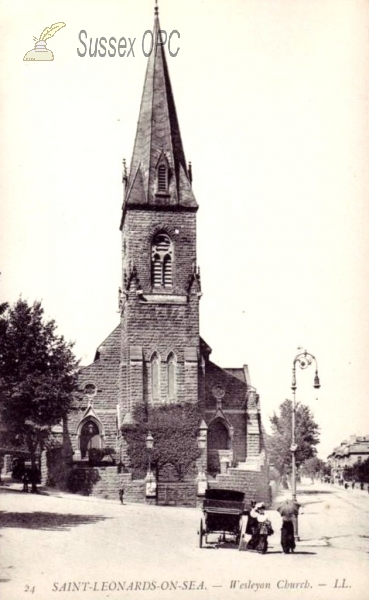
(238, 373)
(158, 137)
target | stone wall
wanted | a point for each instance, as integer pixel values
(160, 321)
(108, 483)
(162, 328)
(232, 405)
(139, 228)
(103, 373)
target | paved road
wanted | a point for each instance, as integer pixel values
(73, 547)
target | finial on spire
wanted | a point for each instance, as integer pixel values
(156, 8)
(124, 177)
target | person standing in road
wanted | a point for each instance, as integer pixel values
(121, 494)
(287, 535)
(289, 511)
(25, 480)
(265, 529)
(252, 527)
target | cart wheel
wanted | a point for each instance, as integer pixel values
(240, 542)
(241, 534)
(201, 534)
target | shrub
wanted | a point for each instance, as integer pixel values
(81, 480)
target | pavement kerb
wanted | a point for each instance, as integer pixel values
(52, 492)
(46, 491)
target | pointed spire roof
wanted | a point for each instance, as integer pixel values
(158, 139)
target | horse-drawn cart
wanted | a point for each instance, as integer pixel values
(223, 512)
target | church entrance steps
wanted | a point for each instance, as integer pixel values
(109, 481)
(253, 463)
(108, 484)
(254, 483)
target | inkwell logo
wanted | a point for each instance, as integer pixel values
(40, 52)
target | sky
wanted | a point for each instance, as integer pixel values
(272, 99)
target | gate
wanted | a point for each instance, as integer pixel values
(171, 491)
(176, 494)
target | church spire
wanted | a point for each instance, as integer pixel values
(158, 172)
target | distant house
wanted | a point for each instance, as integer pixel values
(350, 452)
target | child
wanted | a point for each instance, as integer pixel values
(25, 480)
(121, 494)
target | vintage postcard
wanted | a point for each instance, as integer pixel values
(183, 299)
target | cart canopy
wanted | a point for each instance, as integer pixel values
(219, 494)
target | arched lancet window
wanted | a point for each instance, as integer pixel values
(171, 374)
(155, 377)
(161, 261)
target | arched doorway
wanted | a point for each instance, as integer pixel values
(219, 445)
(89, 437)
(218, 436)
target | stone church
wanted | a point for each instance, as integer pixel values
(156, 355)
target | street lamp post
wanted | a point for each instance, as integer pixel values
(149, 446)
(202, 462)
(150, 478)
(303, 360)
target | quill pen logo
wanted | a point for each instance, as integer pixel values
(40, 52)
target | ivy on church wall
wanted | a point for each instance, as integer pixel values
(175, 428)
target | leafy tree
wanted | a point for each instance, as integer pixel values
(37, 375)
(306, 436)
(349, 473)
(313, 467)
(327, 469)
(362, 473)
(357, 472)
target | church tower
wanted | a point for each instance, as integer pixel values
(155, 356)
(160, 341)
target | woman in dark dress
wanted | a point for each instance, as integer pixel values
(252, 528)
(288, 511)
(287, 535)
(260, 528)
